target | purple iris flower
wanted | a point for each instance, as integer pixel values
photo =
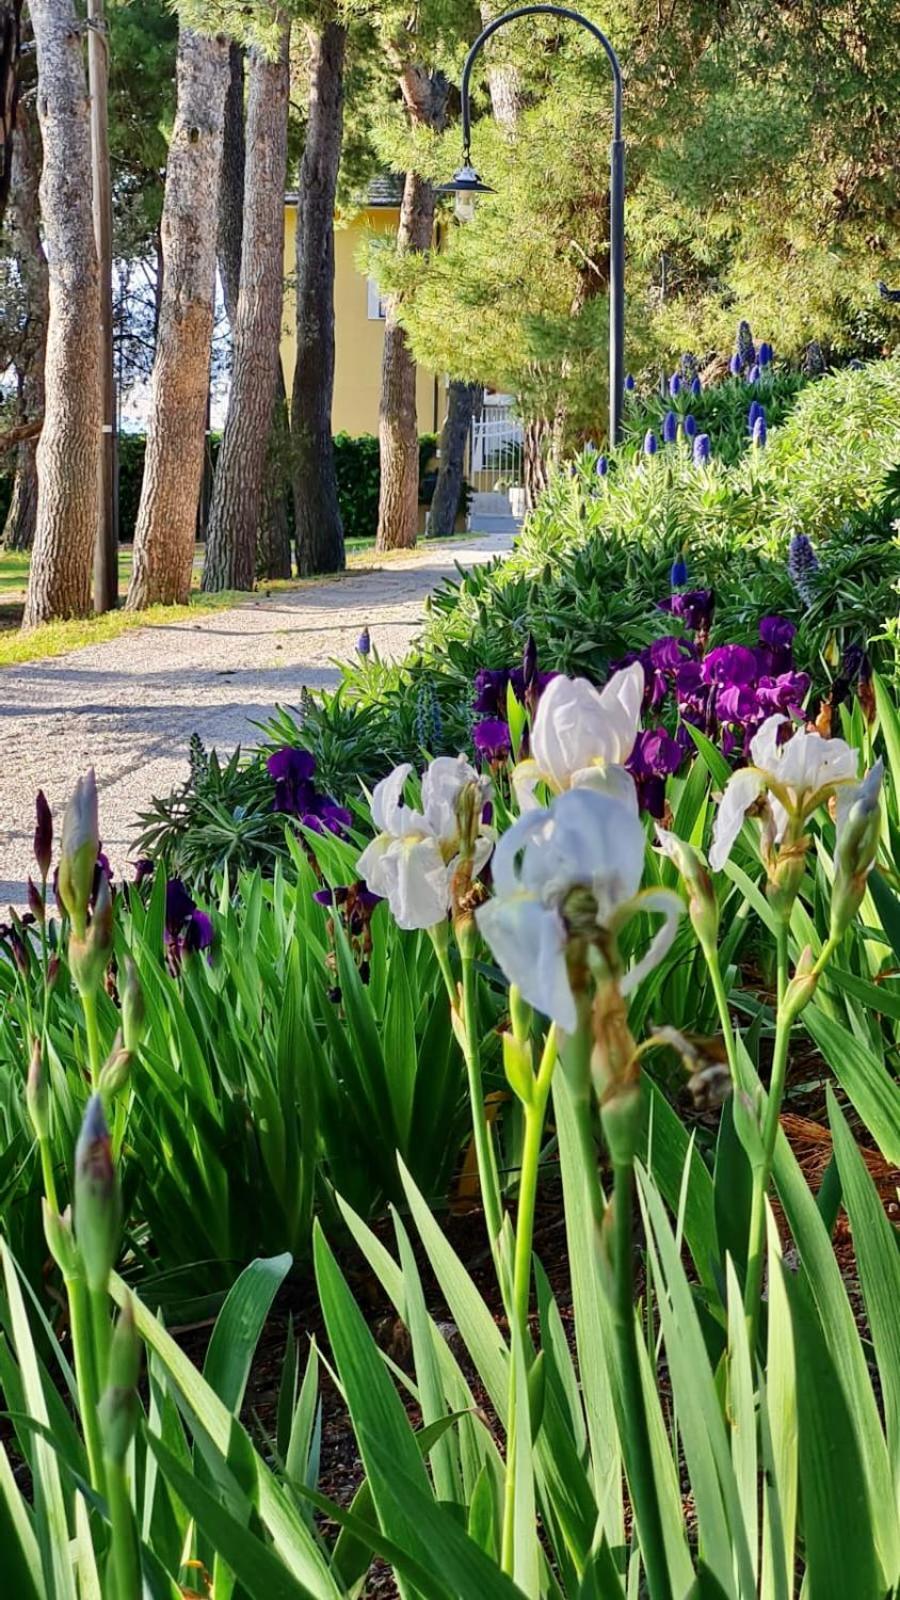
(670, 428)
(602, 467)
(188, 930)
(856, 663)
(696, 385)
(629, 382)
(729, 664)
(143, 869)
(701, 449)
(735, 365)
(759, 432)
(655, 755)
(326, 816)
(777, 632)
(651, 444)
(292, 772)
(490, 691)
(679, 573)
(491, 740)
(675, 384)
(694, 609)
(690, 425)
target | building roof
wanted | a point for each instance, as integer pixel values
(384, 192)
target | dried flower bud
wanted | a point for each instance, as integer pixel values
(53, 967)
(78, 854)
(119, 1407)
(98, 1205)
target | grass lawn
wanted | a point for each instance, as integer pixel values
(56, 638)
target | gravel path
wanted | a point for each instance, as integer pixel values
(130, 706)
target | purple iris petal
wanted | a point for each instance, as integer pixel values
(491, 739)
(337, 819)
(490, 691)
(197, 933)
(143, 869)
(694, 609)
(291, 766)
(778, 632)
(655, 754)
(730, 663)
(738, 703)
(669, 653)
(785, 693)
(179, 905)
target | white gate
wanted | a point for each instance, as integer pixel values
(495, 446)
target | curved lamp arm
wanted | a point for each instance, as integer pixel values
(616, 188)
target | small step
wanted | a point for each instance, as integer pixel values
(489, 524)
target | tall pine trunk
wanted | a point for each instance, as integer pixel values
(504, 80)
(10, 13)
(240, 474)
(231, 185)
(273, 549)
(425, 96)
(173, 465)
(68, 455)
(463, 401)
(23, 224)
(317, 513)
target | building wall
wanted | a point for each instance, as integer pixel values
(359, 337)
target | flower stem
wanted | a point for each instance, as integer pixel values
(124, 1555)
(92, 1030)
(484, 1145)
(762, 1171)
(101, 1325)
(86, 1377)
(535, 1113)
(639, 1458)
(711, 952)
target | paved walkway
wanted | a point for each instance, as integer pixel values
(130, 706)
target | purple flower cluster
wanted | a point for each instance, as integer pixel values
(187, 929)
(293, 773)
(729, 691)
(491, 736)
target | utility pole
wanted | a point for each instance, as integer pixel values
(106, 548)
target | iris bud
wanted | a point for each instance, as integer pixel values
(37, 1093)
(79, 850)
(98, 1204)
(43, 835)
(857, 847)
(133, 1010)
(119, 1405)
(61, 1240)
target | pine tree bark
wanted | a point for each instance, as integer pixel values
(317, 514)
(173, 466)
(504, 81)
(240, 474)
(537, 454)
(10, 13)
(463, 401)
(273, 548)
(231, 185)
(23, 226)
(425, 96)
(68, 454)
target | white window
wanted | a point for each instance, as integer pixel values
(376, 305)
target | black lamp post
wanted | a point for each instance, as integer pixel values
(466, 184)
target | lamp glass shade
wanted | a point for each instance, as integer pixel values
(464, 205)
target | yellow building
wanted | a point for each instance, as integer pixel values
(358, 319)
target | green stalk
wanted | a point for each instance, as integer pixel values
(762, 1172)
(124, 1557)
(47, 1172)
(101, 1326)
(535, 1113)
(92, 1030)
(711, 953)
(639, 1457)
(86, 1377)
(484, 1144)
